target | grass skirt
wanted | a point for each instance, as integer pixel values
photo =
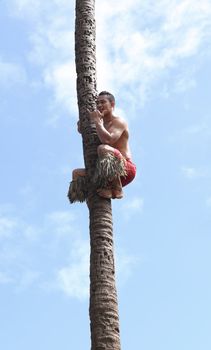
(78, 190)
(108, 168)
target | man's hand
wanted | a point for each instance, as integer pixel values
(96, 116)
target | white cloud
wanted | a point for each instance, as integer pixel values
(137, 53)
(11, 74)
(31, 10)
(25, 8)
(197, 129)
(5, 279)
(131, 54)
(31, 233)
(59, 217)
(62, 223)
(52, 46)
(194, 173)
(51, 255)
(22, 243)
(62, 79)
(13, 228)
(185, 83)
(73, 279)
(188, 172)
(125, 265)
(7, 226)
(132, 206)
(135, 204)
(52, 42)
(28, 278)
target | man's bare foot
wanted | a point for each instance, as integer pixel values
(117, 194)
(105, 193)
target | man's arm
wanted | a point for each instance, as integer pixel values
(107, 137)
(104, 135)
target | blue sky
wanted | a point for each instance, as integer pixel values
(155, 58)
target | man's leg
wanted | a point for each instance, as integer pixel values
(78, 172)
(78, 188)
(117, 188)
(114, 188)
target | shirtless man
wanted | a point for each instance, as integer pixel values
(113, 133)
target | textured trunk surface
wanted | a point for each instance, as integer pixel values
(103, 296)
(104, 317)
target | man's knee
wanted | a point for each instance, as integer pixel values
(104, 149)
(78, 172)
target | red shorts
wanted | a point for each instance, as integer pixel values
(129, 167)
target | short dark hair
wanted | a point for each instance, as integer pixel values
(110, 97)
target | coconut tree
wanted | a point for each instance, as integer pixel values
(103, 310)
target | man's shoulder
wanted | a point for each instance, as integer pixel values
(120, 121)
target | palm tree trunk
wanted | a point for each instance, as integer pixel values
(103, 296)
(104, 319)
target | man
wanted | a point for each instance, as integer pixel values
(114, 156)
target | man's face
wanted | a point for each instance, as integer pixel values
(104, 105)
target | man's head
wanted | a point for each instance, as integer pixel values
(108, 95)
(105, 102)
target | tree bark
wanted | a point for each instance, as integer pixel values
(104, 319)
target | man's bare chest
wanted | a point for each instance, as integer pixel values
(108, 126)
